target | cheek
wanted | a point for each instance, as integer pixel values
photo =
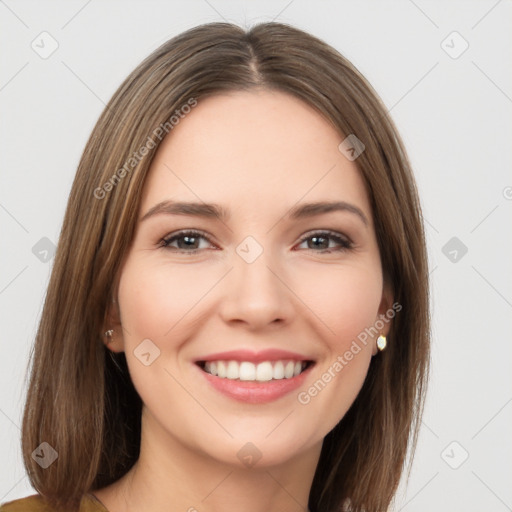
(164, 303)
(155, 298)
(345, 300)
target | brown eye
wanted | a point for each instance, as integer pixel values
(326, 241)
(186, 241)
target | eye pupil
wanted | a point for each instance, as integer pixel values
(190, 241)
(324, 242)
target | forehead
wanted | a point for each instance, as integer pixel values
(259, 149)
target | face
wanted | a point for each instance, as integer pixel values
(238, 314)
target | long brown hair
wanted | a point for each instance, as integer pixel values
(80, 397)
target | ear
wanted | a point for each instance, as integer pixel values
(112, 324)
(383, 320)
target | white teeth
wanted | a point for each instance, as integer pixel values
(221, 369)
(288, 370)
(264, 371)
(247, 371)
(279, 370)
(233, 370)
(261, 372)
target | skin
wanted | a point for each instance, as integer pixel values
(258, 154)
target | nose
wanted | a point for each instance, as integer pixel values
(256, 295)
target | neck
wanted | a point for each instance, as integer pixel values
(169, 476)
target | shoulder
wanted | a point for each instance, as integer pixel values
(30, 503)
(36, 503)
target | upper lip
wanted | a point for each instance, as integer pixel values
(272, 354)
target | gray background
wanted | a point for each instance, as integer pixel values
(453, 112)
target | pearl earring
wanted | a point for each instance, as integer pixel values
(381, 342)
(110, 335)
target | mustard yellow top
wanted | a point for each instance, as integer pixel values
(35, 503)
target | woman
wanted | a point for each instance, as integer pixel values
(238, 310)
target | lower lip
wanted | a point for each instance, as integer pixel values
(255, 392)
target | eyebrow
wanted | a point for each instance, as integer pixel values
(215, 211)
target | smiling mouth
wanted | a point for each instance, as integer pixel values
(264, 371)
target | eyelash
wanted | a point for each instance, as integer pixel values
(344, 243)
